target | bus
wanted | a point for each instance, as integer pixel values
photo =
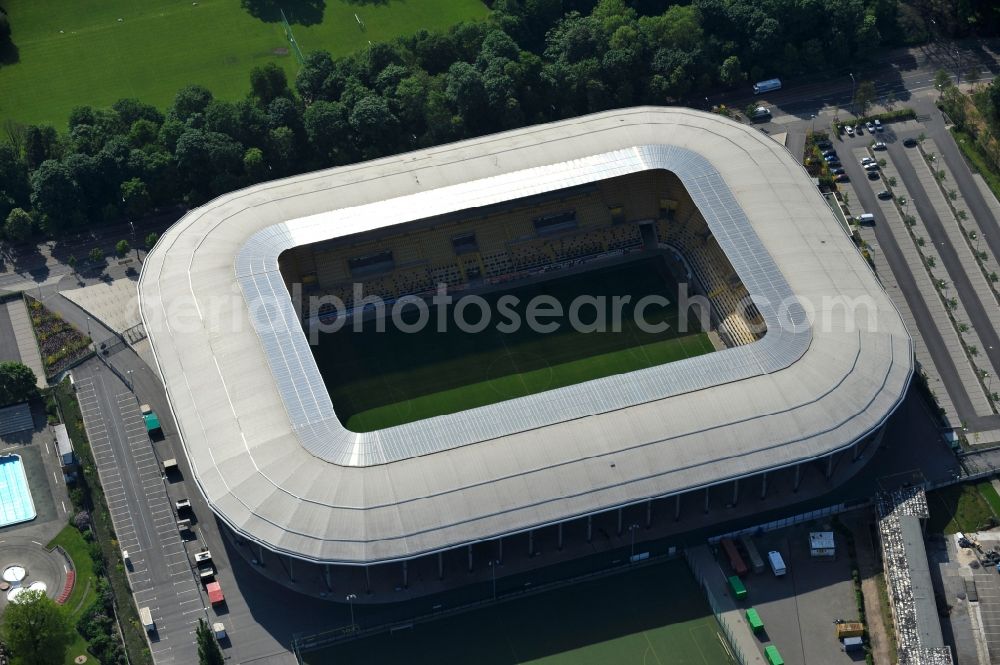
(766, 86)
(735, 560)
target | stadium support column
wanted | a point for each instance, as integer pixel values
(326, 576)
(736, 491)
(798, 477)
(500, 550)
(440, 565)
(406, 575)
(559, 538)
(649, 513)
(829, 466)
(590, 528)
(708, 495)
(291, 573)
(470, 558)
(619, 521)
(368, 580)
(763, 486)
(677, 508)
(260, 555)
(531, 542)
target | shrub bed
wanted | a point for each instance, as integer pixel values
(61, 344)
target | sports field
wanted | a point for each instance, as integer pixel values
(75, 52)
(378, 380)
(649, 616)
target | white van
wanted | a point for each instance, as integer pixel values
(866, 218)
(777, 563)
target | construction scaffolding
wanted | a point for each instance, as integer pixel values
(911, 596)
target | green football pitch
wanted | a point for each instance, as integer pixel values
(649, 616)
(381, 379)
(75, 52)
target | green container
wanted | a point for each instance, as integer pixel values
(773, 657)
(736, 584)
(754, 620)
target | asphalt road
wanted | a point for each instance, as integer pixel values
(949, 257)
(893, 257)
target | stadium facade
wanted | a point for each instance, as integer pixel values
(283, 473)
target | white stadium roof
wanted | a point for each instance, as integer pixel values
(277, 466)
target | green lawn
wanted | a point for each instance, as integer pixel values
(976, 160)
(74, 52)
(378, 380)
(990, 494)
(959, 508)
(84, 592)
(650, 616)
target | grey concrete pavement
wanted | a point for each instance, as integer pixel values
(24, 336)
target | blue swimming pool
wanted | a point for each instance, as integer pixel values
(15, 497)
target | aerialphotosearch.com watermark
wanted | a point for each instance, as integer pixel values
(544, 314)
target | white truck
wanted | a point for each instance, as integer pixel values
(146, 617)
(777, 563)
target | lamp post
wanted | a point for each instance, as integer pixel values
(853, 84)
(350, 598)
(493, 574)
(88, 328)
(813, 124)
(131, 384)
(632, 528)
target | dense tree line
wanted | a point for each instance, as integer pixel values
(532, 61)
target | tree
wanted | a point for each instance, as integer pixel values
(268, 82)
(17, 382)
(71, 262)
(56, 195)
(136, 196)
(864, 97)
(941, 80)
(254, 165)
(36, 630)
(17, 228)
(208, 649)
(151, 240)
(731, 71)
(190, 100)
(96, 255)
(122, 248)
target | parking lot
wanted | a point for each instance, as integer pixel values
(799, 609)
(158, 568)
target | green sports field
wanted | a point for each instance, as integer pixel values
(650, 616)
(75, 52)
(378, 380)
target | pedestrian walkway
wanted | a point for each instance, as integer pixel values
(114, 303)
(27, 345)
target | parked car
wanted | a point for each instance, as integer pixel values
(885, 195)
(873, 175)
(910, 143)
(870, 126)
(867, 160)
(828, 153)
(871, 166)
(824, 145)
(859, 129)
(850, 130)
(837, 171)
(831, 158)
(835, 164)
(878, 125)
(878, 145)
(843, 177)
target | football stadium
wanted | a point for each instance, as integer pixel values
(376, 366)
